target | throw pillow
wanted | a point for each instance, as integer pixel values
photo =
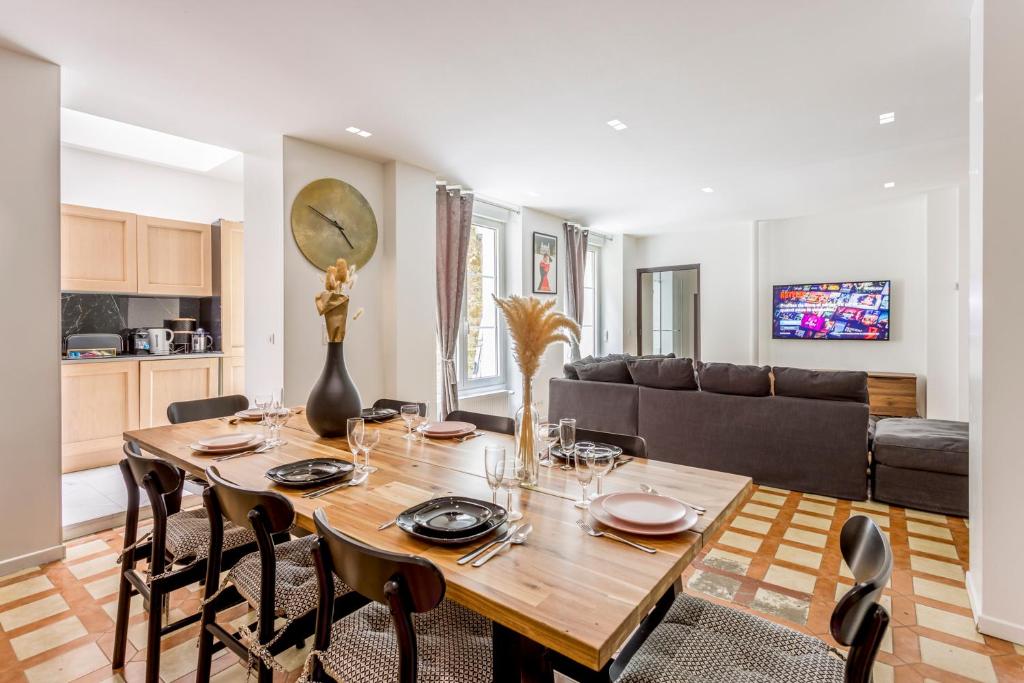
(663, 373)
(739, 380)
(821, 384)
(570, 370)
(605, 371)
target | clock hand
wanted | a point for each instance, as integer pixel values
(334, 223)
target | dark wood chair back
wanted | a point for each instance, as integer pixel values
(206, 408)
(858, 621)
(406, 584)
(397, 405)
(492, 423)
(163, 483)
(630, 445)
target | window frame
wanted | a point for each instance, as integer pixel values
(467, 386)
(595, 260)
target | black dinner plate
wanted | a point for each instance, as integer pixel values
(378, 414)
(311, 472)
(467, 530)
(556, 450)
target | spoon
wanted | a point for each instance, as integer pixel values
(517, 539)
(354, 481)
(647, 488)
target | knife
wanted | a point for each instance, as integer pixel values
(472, 555)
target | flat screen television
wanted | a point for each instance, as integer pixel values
(832, 310)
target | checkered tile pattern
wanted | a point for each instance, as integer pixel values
(779, 558)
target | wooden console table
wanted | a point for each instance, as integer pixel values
(893, 394)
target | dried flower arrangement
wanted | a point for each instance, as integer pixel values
(332, 303)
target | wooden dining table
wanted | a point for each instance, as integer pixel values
(563, 599)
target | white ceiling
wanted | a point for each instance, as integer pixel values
(774, 104)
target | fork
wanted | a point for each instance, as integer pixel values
(262, 449)
(467, 437)
(594, 532)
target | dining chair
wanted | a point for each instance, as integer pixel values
(397, 405)
(697, 640)
(492, 423)
(176, 550)
(278, 580)
(408, 632)
(206, 408)
(630, 444)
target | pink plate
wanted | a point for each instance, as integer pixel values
(250, 414)
(644, 508)
(227, 440)
(598, 512)
(253, 442)
(448, 430)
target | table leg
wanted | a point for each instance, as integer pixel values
(517, 659)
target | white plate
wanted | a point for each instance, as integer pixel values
(254, 442)
(645, 509)
(227, 440)
(598, 512)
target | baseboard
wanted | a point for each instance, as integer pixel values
(43, 556)
(991, 626)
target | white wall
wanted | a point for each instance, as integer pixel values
(107, 182)
(304, 345)
(612, 294)
(725, 255)
(996, 375)
(885, 241)
(30, 274)
(943, 301)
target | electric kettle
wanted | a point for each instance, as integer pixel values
(159, 340)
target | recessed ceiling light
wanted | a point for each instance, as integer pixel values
(116, 138)
(617, 125)
(352, 129)
(888, 117)
(364, 133)
(889, 185)
(708, 190)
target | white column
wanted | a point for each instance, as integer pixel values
(997, 373)
(30, 275)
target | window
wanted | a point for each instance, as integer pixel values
(481, 356)
(590, 343)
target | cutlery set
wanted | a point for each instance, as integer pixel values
(516, 535)
(262, 449)
(356, 480)
(647, 488)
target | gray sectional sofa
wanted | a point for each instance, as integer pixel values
(796, 429)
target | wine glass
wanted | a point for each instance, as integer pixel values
(421, 422)
(371, 437)
(583, 458)
(354, 431)
(494, 468)
(410, 416)
(262, 403)
(510, 477)
(604, 458)
(547, 434)
(276, 416)
(567, 437)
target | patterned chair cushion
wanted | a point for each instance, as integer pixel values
(188, 534)
(453, 643)
(701, 642)
(295, 591)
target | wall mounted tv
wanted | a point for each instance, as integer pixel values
(832, 310)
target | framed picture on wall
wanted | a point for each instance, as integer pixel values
(545, 263)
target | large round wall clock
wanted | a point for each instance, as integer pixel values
(332, 220)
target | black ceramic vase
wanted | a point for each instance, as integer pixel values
(334, 398)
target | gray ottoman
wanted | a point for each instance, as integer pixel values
(921, 464)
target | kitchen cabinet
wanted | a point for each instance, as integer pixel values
(174, 257)
(229, 284)
(99, 401)
(232, 375)
(162, 382)
(98, 250)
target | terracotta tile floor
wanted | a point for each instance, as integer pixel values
(777, 558)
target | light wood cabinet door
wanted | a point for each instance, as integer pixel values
(162, 382)
(232, 375)
(99, 401)
(175, 257)
(97, 250)
(229, 283)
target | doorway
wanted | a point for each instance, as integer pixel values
(668, 311)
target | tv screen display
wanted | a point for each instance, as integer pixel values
(832, 310)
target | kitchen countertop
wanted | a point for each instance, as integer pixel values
(141, 356)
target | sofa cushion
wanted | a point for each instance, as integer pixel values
(927, 445)
(821, 384)
(570, 370)
(605, 371)
(663, 373)
(739, 380)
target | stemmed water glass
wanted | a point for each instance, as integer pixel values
(355, 428)
(547, 434)
(410, 416)
(604, 458)
(494, 468)
(583, 458)
(276, 416)
(262, 403)
(567, 437)
(369, 441)
(510, 477)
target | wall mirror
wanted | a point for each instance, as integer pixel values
(668, 310)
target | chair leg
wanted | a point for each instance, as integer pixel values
(266, 674)
(154, 624)
(205, 644)
(124, 601)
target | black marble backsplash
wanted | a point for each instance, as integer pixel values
(113, 313)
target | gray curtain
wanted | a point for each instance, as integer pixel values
(454, 223)
(576, 261)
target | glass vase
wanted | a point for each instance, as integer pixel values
(526, 421)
